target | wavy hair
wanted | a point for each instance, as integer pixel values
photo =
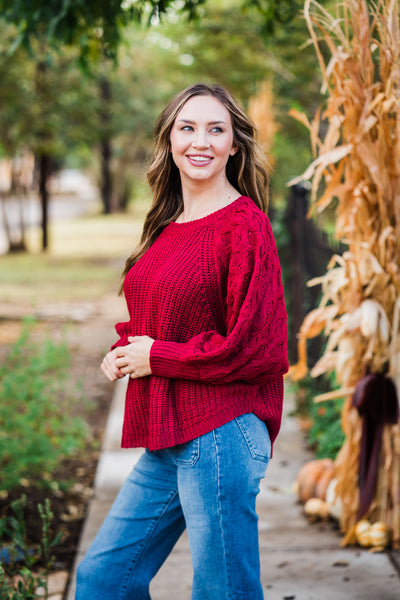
(246, 170)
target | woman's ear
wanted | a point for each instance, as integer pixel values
(233, 150)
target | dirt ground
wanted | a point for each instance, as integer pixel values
(88, 340)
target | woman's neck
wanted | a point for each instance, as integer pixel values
(199, 202)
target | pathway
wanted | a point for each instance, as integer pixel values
(299, 561)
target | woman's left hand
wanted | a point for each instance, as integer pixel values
(134, 358)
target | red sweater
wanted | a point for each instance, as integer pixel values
(209, 292)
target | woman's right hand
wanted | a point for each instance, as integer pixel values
(109, 367)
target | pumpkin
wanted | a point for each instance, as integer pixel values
(324, 481)
(362, 532)
(379, 534)
(309, 476)
(315, 508)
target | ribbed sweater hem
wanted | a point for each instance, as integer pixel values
(186, 432)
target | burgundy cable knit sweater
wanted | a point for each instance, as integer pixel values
(209, 292)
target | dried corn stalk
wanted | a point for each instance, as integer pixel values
(357, 166)
(261, 110)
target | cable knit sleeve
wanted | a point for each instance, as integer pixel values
(252, 347)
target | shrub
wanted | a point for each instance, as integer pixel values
(325, 433)
(18, 580)
(36, 427)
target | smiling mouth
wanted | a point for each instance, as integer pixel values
(199, 158)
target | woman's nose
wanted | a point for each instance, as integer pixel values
(201, 139)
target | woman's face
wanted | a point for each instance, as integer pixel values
(202, 140)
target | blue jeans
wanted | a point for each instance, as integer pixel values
(208, 485)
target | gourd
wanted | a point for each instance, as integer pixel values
(362, 533)
(379, 534)
(375, 535)
(313, 479)
(315, 508)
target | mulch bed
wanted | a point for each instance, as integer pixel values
(69, 507)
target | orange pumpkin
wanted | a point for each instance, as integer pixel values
(323, 481)
(379, 534)
(309, 477)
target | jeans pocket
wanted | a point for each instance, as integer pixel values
(187, 454)
(256, 436)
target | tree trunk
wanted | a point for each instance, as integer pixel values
(21, 241)
(44, 173)
(16, 243)
(44, 141)
(105, 145)
(6, 225)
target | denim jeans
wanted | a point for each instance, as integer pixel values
(208, 485)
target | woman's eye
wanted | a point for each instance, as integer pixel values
(216, 130)
(187, 128)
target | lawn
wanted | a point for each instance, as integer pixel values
(84, 261)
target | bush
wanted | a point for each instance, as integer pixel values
(20, 578)
(325, 433)
(36, 427)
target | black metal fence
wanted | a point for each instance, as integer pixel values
(304, 254)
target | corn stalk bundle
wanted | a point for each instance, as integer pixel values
(261, 111)
(357, 167)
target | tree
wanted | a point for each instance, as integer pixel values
(96, 28)
(46, 107)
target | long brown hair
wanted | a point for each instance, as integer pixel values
(246, 170)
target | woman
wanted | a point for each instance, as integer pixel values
(205, 349)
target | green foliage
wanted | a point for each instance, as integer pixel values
(19, 577)
(275, 11)
(36, 427)
(46, 104)
(94, 27)
(225, 47)
(296, 84)
(325, 434)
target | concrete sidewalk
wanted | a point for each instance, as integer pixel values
(299, 561)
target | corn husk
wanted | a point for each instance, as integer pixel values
(357, 166)
(261, 110)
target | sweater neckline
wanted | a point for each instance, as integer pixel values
(207, 220)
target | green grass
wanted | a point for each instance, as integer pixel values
(84, 261)
(105, 236)
(30, 280)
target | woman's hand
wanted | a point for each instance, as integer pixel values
(109, 366)
(134, 359)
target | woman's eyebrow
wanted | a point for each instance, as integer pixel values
(189, 122)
